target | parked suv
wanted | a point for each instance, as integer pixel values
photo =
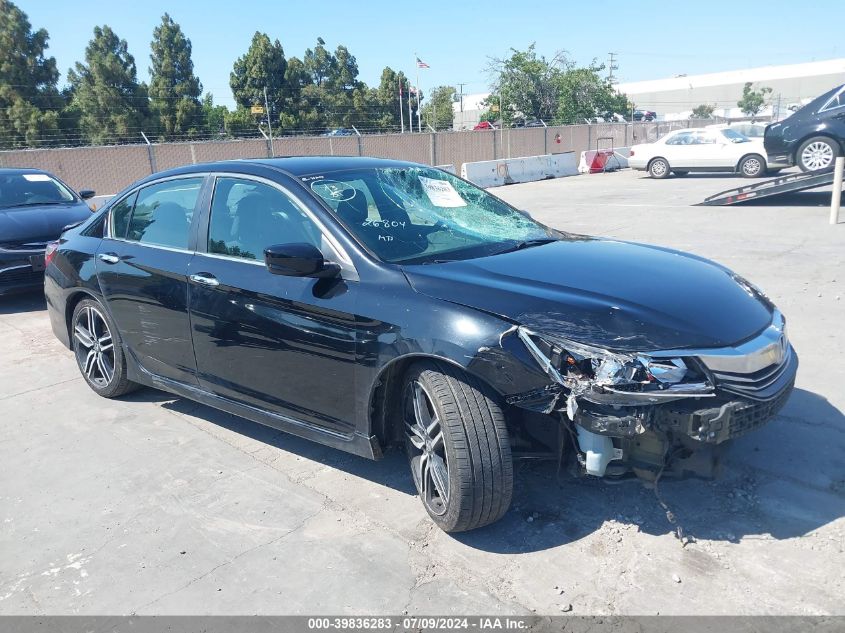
(811, 138)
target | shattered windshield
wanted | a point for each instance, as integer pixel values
(424, 215)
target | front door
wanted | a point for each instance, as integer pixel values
(142, 267)
(286, 344)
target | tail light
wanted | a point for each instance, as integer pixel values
(50, 253)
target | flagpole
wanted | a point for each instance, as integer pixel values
(401, 110)
(419, 120)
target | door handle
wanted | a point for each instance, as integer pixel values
(108, 258)
(205, 279)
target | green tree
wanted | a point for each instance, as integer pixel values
(391, 110)
(584, 94)
(301, 111)
(528, 84)
(263, 66)
(240, 122)
(113, 107)
(438, 111)
(29, 98)
(214, 116)
(753, 101)
(174, 89)
(703, 111)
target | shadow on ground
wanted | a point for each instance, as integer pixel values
(23, 302)
(767, 487)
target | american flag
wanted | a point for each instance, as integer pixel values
(422, 64)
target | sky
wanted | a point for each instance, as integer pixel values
(457, 38)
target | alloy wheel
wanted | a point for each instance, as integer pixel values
(751, 167)
(94, 347)
(817, 155)
(426, 450)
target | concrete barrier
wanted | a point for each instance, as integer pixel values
(494, 173)
(617, 160)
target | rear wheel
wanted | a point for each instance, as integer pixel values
(458, 447)
(817, 154)
(658, 168)
(98, 352)
(752, 166)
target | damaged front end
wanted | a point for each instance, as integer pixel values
(658, 412)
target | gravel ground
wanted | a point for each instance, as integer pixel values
(155, 505)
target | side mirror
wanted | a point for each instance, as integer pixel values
(87, 193)
(298, 260)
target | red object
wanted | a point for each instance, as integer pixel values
(50, 253)
(599, 162)
(484, 125)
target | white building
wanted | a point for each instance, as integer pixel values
(792, 85)
(468, 112)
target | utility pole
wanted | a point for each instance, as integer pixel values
(462, 95)
(611, 66)
(269, 125)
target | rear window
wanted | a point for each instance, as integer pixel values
(163, 213)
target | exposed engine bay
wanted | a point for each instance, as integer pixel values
(650, 414)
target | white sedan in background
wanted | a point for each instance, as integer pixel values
(701, 149)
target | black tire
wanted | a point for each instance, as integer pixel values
(468, 435)
(659, 168)
(752, 166)
(98, 353)
(680, 172)
(817, 154)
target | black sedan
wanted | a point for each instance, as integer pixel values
(34, 208)
(365, 303)
(813, 136)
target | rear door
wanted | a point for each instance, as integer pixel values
(142, 268)
(285, 344)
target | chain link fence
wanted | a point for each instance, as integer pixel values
(108, 169)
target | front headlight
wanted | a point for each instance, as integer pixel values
(605, 377)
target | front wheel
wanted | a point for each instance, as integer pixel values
(658, 168)
(752, 166)
(817, 154)
(458, 447)
(99, 355)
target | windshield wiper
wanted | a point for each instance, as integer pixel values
(34, 204)
(526, 244)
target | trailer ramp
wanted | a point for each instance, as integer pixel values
(769, 188)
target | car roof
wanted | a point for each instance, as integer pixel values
(296, 166)
(10, 171)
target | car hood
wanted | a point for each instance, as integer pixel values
(617, 295)
(39, 223)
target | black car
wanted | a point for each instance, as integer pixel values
(644, 115)
(811, 138)
(365, 303)
(34, 208)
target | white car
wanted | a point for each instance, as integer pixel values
(701, 149)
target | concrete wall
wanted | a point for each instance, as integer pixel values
(109, 169)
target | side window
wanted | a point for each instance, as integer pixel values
(684, 138)
(163, 213)
(248, 216)
(836, 102)
(120, 214)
